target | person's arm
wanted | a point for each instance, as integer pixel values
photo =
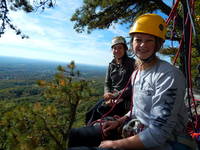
(108, 81)
(108, 85)
(167, 104)
(126, 92)
(132, 143)
(110, 125)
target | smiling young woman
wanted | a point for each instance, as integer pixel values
(117, 76)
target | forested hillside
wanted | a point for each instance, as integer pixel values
(38, 116)
(18, 76)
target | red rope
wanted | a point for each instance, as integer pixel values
(179, 49)
(172, 13)
(189, 68)
(114, 103)
(101, 119)
(118, 98)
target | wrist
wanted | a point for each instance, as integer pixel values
(116, 94)
(119, 122)
(115, 144)
(123, 119)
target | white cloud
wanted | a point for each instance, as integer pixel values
(117, 29)
(52, 37)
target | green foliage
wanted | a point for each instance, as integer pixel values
(19, 91)
(43, 122)
(95, 14)
(21, 4)
(67, 92)
(195, 56)
(14, 5)
(195, 61)
(30, 127)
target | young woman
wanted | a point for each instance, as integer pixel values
(117, 76)
(158, 117)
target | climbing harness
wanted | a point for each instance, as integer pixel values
(132, 127)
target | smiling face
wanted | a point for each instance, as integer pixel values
(118, 50)
(143, 45)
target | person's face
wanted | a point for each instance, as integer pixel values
(118, 50)
(143, 45)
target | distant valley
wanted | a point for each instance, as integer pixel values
(18, 76)
(21, 68)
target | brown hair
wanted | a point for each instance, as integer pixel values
(159, 43)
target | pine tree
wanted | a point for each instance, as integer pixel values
(45, 124)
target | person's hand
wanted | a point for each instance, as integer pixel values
(108, 96)
(106, 144)
(109, 102)
(108, 126)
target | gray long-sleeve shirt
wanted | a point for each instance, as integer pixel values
(158, 102)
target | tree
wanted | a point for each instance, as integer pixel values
(46, 124)
(101, 14)
(14, 5)
(170, 51)
(95, 14)
(67, 92)
(195, 55)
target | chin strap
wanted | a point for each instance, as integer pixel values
(149, 59)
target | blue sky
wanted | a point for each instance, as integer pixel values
(52, 37)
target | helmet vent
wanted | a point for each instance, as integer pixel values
(161, 27)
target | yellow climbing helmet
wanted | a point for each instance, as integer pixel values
(150, 24)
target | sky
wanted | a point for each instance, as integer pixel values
(52, 37)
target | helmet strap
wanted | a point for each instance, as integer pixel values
(149, 59)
